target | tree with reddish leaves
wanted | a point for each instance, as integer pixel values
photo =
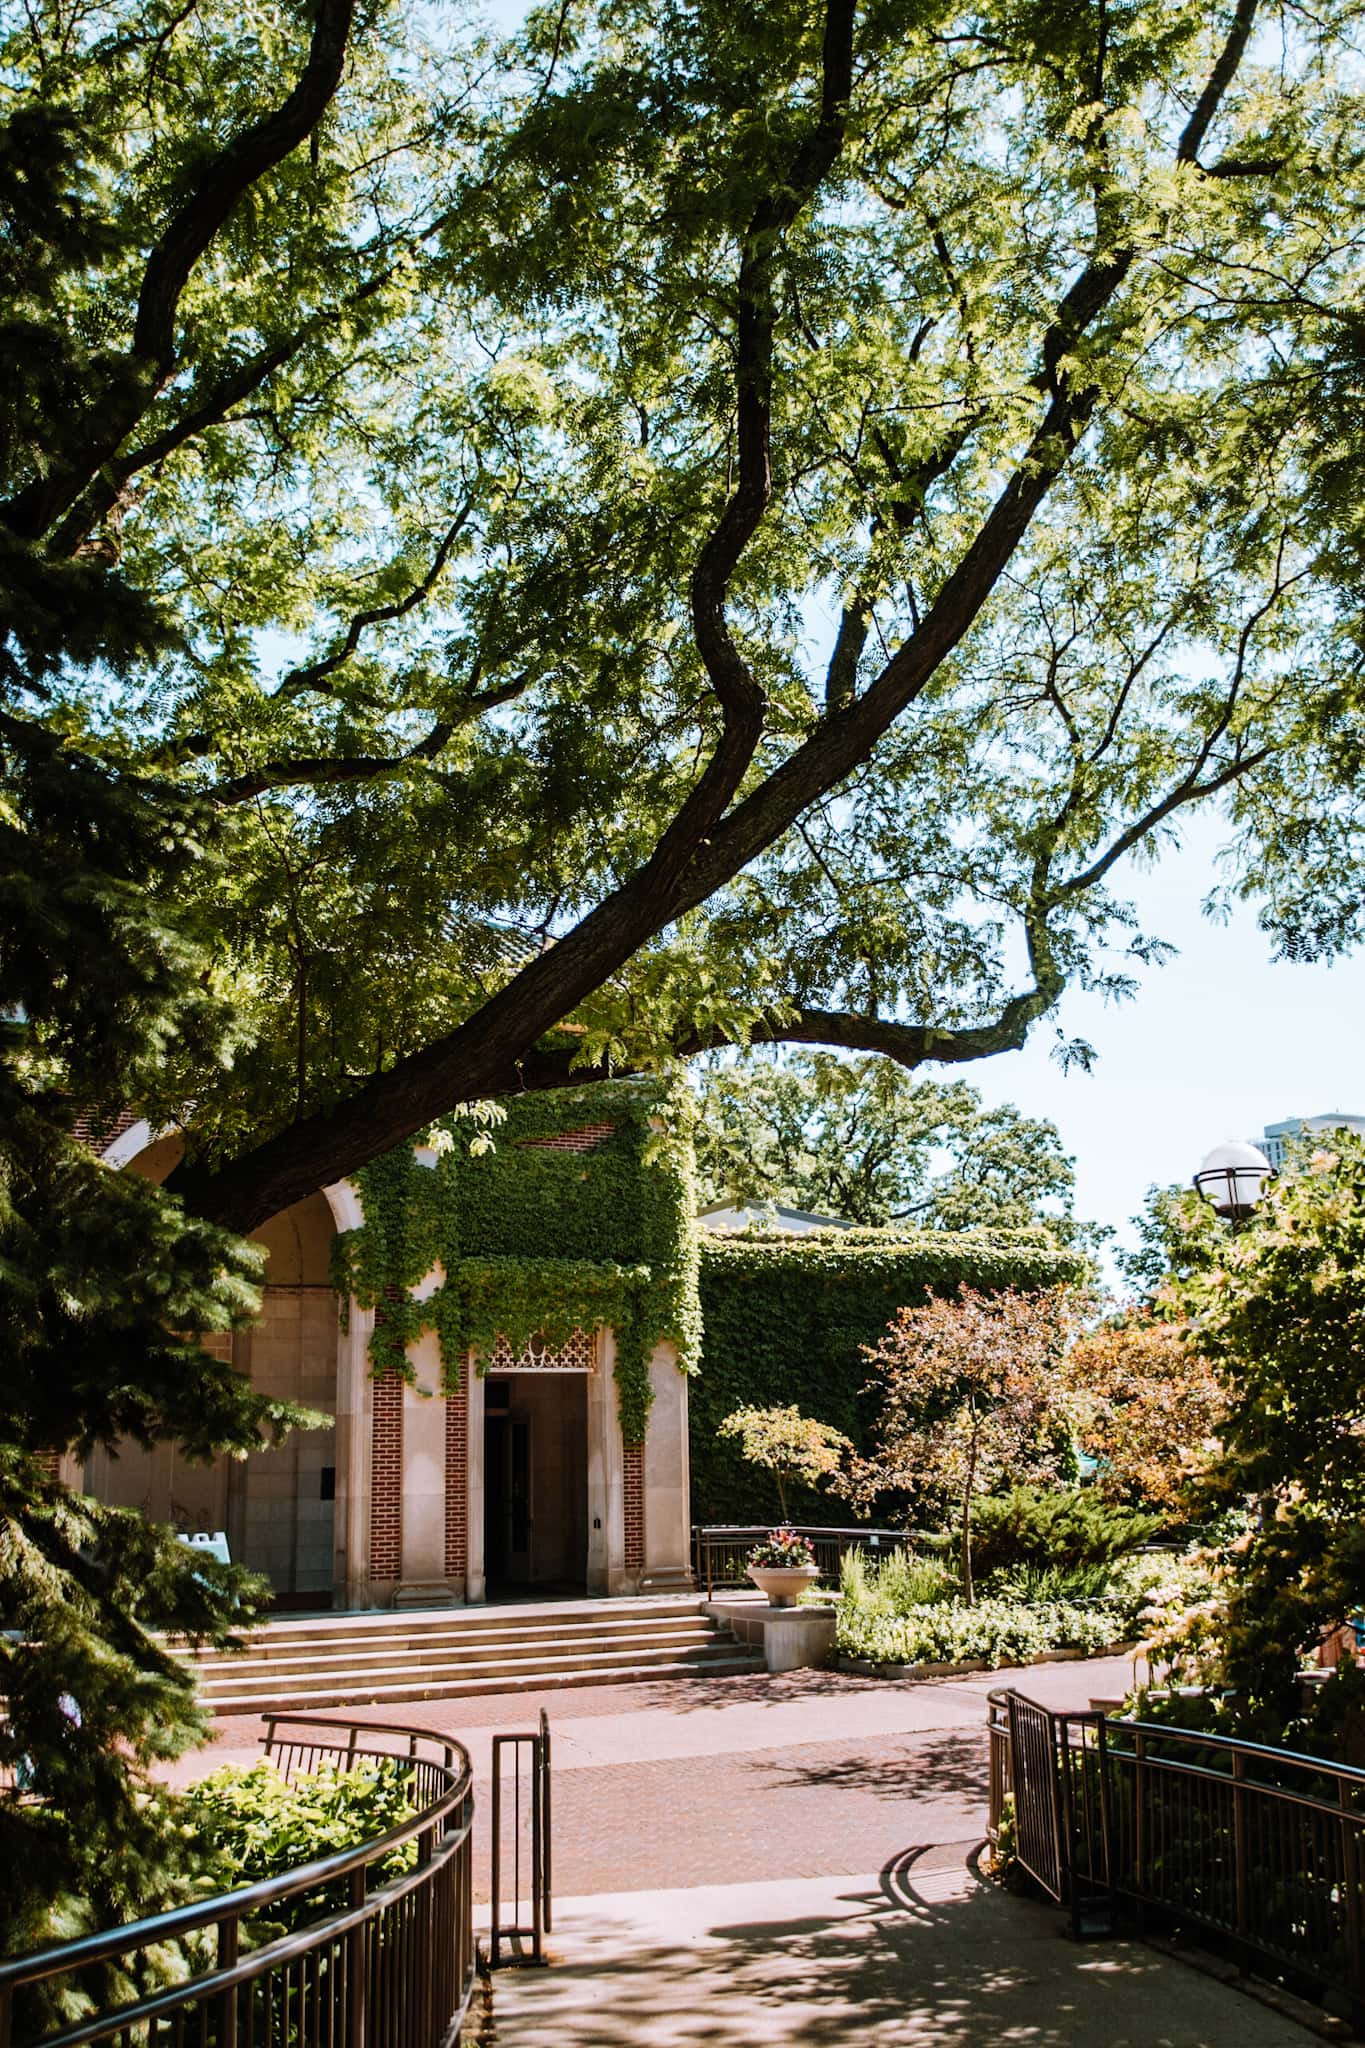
(971, 1396)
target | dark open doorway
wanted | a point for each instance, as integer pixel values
(535, 1485)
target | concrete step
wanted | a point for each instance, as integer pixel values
(349, 1660)
(417, 1624)
(484, 1650)
(435, 1670)
(264, 1646)
(721, 1662)
(234, 1670)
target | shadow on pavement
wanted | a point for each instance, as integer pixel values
(935, 1766)
(913, 1958)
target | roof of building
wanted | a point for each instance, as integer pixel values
(767, 1216)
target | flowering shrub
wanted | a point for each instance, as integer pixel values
(990, 1631)
(783, 1548)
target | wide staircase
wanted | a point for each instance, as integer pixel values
(351, 1660)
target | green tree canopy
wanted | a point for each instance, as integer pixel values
(861, 1139)
(1281, 1317)
(690, 526)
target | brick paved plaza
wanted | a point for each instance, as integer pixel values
(784, 1860)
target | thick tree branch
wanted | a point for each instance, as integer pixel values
(248, 157)
(696, 856)
(320, 770)
(740, 698)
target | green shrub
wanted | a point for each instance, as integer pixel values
(991, 1631)
(898, 1581)
(1067, 1530)
(249, 1823)
(1036, 1584)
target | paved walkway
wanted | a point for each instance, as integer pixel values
(760, 1861)
(919, 1955)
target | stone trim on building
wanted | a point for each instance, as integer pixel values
(578, 1355)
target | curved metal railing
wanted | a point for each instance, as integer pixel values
(392, 1967)
(1263, 1848)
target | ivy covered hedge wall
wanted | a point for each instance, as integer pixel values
(785, 1318)
(537, 1239)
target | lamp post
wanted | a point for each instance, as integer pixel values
(1231, 1178)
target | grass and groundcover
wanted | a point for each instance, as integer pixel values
(1056, 1570)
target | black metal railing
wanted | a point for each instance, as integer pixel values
(387, 1965)
(529, 1837)
(1261, 1848)
(720, 1553)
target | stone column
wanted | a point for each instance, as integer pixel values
(423, 1582)
(606, 1491)
(668, 1531)
(354, 1428)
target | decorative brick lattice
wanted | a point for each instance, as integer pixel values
(386, 1479)
(633, 1475)
(578, 1355)
(457, 1480)
(585, 1139)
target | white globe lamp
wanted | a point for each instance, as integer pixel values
(1231, 1178)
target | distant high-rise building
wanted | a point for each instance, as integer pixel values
(1278, 1137)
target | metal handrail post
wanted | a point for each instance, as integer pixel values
(495, 1848)
(1239, 1845)
(1140, 1825)
(357, 1988)
(547, 1850)
(537, 1846)
(228, 1944)
(1350, 1882)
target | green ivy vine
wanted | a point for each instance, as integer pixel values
(786, 1321)
(533, 1241)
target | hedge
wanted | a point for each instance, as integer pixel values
(785, 1318)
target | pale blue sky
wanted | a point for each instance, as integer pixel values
(1218, 1043)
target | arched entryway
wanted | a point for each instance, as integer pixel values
(281, 1503)
(278, 1507)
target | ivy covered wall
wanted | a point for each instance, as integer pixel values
(536, 1237)
(785, 1318)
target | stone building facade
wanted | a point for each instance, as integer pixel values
(517, 1483)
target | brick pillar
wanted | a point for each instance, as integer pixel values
(457, 1477)
(386, 1479)
(633, 1503)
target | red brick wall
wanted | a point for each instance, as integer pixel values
(386, 1479)
(457, 1478)
(633, 1474)
(585, 1139)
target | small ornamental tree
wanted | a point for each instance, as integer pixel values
(1149, 1408)
(790, 1445)
(971, 1395)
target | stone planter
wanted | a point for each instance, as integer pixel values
(783, 1584)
